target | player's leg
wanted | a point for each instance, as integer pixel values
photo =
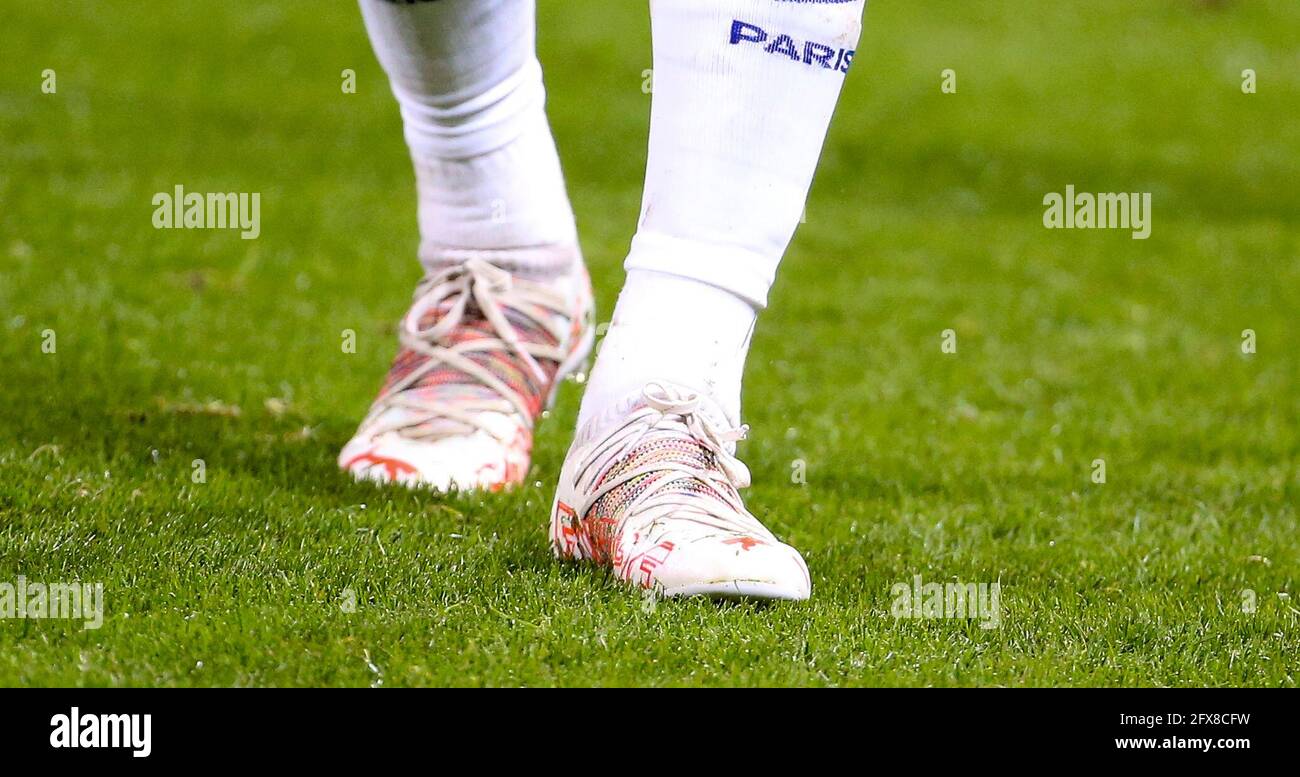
(743, 95)
(504, 309)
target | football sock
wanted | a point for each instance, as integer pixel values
(670, 328)
(743, 92)
(469, 86)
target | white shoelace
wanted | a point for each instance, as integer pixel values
(492, 290)
(672, 412)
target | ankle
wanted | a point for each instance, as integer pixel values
(676, 330)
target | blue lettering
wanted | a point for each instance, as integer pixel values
(739, 28)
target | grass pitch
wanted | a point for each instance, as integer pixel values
(1072, 347)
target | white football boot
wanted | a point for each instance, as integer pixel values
(484, 348)
(653, 495)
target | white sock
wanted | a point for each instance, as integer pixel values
(467, 80)
(743, 96)
(669, 328)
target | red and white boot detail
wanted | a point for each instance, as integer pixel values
(484, 347)
(653, 494)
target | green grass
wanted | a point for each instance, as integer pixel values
(925, 216)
